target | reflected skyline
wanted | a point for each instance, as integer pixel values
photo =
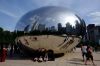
(52, 19)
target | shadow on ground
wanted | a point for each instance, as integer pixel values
(18, 57)
(76, 61)
(79, 64)
(58, 55)
(28, 57)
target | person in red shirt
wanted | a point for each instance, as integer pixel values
(3, 55)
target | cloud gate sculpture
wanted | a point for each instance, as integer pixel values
(54, 28)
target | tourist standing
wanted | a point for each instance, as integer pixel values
(84, 51)
(3, 55)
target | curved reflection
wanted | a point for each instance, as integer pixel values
(52, 19)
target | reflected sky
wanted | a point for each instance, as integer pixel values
(49, 18)
(48, 15)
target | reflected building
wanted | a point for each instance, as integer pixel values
(77, 28)
(69, 28)
(59, 27)
(26, 29)
(41, 27)
(53, 29)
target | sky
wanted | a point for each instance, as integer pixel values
(12, 10)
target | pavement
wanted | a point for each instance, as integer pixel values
(70, 59)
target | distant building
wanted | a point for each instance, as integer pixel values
(93, 33)
(97, 34)
(90, 32)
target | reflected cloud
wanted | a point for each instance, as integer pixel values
(53, 19)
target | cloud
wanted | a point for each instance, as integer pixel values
(41, 3)
(94, 17)
(8, 13)
(17, 8)
(81, 7)
(94, 14)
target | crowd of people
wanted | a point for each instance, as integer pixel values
(42, 54)
(87, 53)
(39, 55)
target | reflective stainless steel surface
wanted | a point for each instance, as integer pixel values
(54, 19)
(58, 29)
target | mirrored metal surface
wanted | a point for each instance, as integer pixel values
(52, 19)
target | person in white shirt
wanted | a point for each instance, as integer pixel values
(84, 51)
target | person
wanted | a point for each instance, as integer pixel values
(3, 55)
(84, 51)
(65, 39)
(46, 57)
(89, 55)
(43, 52)
(35, 38)
(35, 59)
(51, 56)
(40, 59)
(0, 55)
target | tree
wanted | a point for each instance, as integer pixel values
(1, 38)
(1, 29)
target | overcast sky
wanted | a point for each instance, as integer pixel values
(12, 10)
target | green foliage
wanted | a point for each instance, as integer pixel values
(1, 29)
(6, 37)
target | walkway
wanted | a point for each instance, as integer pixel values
(73, 59)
